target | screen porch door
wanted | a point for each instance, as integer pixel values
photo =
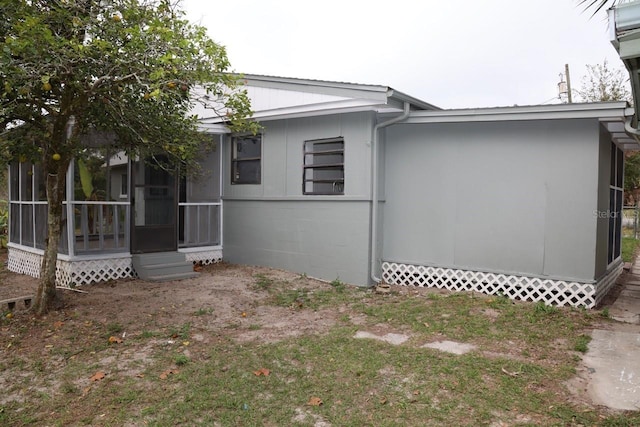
(154, 208)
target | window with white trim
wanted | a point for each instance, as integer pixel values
(616, 185)
(323, 169)
(246, 155)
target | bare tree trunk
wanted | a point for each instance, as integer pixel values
(46, 296)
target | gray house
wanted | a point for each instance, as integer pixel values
(364, 183)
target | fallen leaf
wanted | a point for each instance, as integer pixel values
(314, 401)
(139, 375)
(197, 267)
(262, 371)
(115, 340)
(98, 376)
(58, 324)
(383, 400)
(48, 346)
(185, 343)
(511, 374)
(165, 374)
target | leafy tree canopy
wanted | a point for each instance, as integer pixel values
(131, 67)
(123, 72)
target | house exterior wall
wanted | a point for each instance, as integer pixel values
(274, 224)
(516, 197)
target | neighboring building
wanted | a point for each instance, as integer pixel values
(361, 183)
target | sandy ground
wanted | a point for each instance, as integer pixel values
(227, 292)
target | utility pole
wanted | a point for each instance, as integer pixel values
(566, 73)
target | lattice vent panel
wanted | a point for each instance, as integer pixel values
(205, 257)
(551, 292)
(23, 262)
(76, 273)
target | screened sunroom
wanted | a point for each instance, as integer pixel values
(116, 208)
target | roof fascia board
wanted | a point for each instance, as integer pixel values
(338, 107)
(349, 90)
(403, 97)
(614, 110)
(213, 128)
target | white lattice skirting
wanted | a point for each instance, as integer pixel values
(205, 257)
(84, 272)
(551, 292)
(71, 273)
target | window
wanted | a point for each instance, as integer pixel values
(615, 202)
(246, 152)
(323, 170)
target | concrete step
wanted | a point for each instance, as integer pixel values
(171, 268)
(163, 266)
(159, 258)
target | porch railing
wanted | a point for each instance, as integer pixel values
(100, 226)
(199, 224)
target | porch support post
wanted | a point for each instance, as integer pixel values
(71, 241)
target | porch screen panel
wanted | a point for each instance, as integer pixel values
(615, 203)
(14, 184)
(26, 182)
(14, 226)
(26, 225)
(201, 225)
(41, 225)
(199, 209)
(100, 202)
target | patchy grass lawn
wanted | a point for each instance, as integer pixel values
(254, 346)
(629, 247)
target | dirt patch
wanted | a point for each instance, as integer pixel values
(222, 298)
(14, 285)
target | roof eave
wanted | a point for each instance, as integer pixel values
(534, 112)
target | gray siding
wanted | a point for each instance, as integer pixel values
(282, 160)
(274, 224)
(515, 197)
(324, 239)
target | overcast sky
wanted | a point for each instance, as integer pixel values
(454, 54)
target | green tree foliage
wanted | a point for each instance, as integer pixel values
(70, 69)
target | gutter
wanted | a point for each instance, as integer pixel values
(374, 187)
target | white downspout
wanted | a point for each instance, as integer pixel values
(374, 186)
(630, 129)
